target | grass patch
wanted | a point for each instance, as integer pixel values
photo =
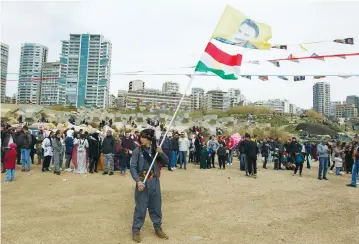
(212, 122)
(185, 120)
(139, 120)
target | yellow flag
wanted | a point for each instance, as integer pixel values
(237, 29)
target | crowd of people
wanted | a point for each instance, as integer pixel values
(81, 152)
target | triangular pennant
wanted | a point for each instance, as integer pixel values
(303, 48)
(343, 57)
(349, 41)
(283, 77)
(316, 55)
(345, 76)
(276, 63)
(318, 77)
(254, 62)
(299, 78)
(263, 78)
(290, 58)
(247, 77)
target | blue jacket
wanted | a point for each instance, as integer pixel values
(69, 144)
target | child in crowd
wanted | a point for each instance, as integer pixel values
(299, 160)
(221, 151)
(338, 163)
(285, 158)
(10, 162)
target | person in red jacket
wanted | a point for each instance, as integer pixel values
(9, 162)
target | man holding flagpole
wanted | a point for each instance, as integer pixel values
(147, 192)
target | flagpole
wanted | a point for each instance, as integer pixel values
(169, 126)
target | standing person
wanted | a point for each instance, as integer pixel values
(48, 152)
(242, 157)
(355, 168)
(204, 157)
(108, 150)
(335, 151)
(10, 162)
(175, 150)
(18, 141)
(338, 162)
(191, 158)
(39, 150)
(26, 144)
(69, 148)
(198, 148)
(148, 195)
(251, 153)
(212, 146)
(349, 161)
(129, 144)
(82, 146)
(221, 156)
(265, 153)
(94, 152)
(33, 147)
(309, 153)
(166, 147)
(183, 145)
(58, 150)
(299, 160)
(323, 152)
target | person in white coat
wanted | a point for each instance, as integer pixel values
(82, 145)
(183, 144)
(48, 151)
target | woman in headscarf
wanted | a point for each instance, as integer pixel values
(58, 151)
(82, 145)
(48, 152)
(148, 194)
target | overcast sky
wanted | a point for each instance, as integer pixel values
(158, 35)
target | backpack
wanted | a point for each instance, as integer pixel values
(81, 147)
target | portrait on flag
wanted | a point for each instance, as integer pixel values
(237, 29)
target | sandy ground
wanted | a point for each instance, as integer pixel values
(212, 206)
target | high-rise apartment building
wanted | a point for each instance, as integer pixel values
(4, 63)
(197, 98)
(321, 98)
(86, 70)
(33, 55)
(234, 96)
(53, 90)
(136, 85)
(346, 111)
(170, 86)
(216, 100)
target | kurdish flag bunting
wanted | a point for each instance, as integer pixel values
(349, 41)
(316, 55)
(299, 78)
(263, 78)
(283, 77)
(224, 65)
(275, 63)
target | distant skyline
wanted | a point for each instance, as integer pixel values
(158, 35)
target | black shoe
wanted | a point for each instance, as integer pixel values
(43, 170)
(105, 173)
(213, 167)
(111, 173)
(350, 185)
(91, 172)
(170, 170)
(96, 171)
(319, 178)
(325, 178)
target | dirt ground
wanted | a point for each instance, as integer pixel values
(211, 206)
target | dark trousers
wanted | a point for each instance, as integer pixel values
(212, 158)
(252, 165)
(222, 161)
(18, 149)
(32, 153)
(265, 162)
(300, 166)
(93, 164)
(198, 155)
(169, 155)
(191, 157)
(46, 162)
